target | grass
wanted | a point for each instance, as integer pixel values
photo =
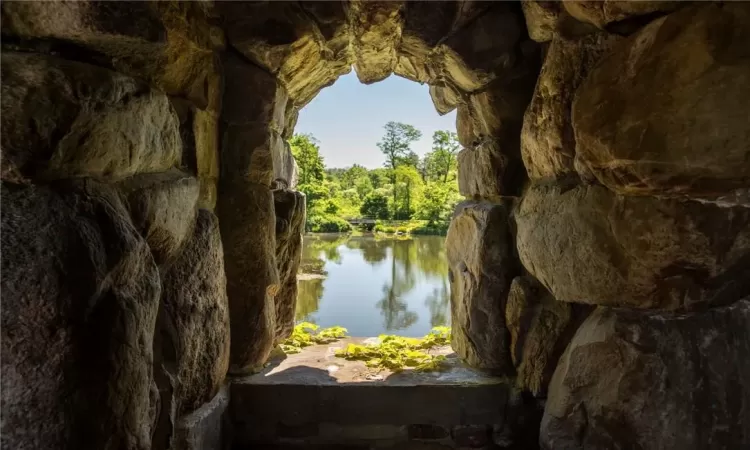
(391, 352)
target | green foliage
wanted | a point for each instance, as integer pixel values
(407, 188)
(306, 152)
(326, 223)
(441, 161)
(438, 203)
(398, 353)
(306, 334)
(375, 205)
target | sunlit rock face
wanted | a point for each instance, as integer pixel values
(482, 265)
(682, 130)
(151, 230)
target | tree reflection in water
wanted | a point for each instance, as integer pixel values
(411, 262)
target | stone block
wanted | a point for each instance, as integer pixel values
(195, 323)
(480, 253)
(540, 329)
(664, 112)
(249, 152)
(289, 207)
(172, 45)
(80, 300)
(603, 13)
(205, 428)
(163, 209)
(651, 380)
(548, 144)
(64, 119)
(587, 244)
(247, 221)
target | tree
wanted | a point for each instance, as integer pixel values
(410, 188)
(441, 161)
(395, 146)
(379, 177)
(411, 159)
(438, 203)
(375, 205)
(351, 175)
(307, 153)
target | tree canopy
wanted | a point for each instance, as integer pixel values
(407, 187)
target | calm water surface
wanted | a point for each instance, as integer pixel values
(374, 285)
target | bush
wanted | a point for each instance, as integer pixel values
(326, 223)
(435, 229)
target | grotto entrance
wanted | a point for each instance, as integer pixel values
(281, 78)
(390, 282)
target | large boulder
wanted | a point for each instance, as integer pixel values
(194, 298)
(605, 12)
(376, 30)
(162, 207)
(290, 225)
(80, 299)
(247, 220)
(249, 152)
(664, 113)
(541, 18)
(425, 26)
(171, 44)
(482, 264)
(305, 45)
(489, 126)
(252, 145)
(652, 380)
(64, 119)
(486, 48)
(587, 244)
(547, 141)
(540, 328)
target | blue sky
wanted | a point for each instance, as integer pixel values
(348, 117)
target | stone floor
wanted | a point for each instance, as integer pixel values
(316, 400)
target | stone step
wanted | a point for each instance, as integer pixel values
(317, 399)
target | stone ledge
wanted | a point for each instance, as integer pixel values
(204, 429)
(305, 397)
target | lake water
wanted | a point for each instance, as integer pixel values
(374, 285)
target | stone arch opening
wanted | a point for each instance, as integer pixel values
(283, 67)
(147, 204)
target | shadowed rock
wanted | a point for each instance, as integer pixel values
(247, 219)
(540, 328)
(290, 225)
(604, 12)
(650, 380)
(80, 298)
(197, 314)
(162, 207)
(67, 119)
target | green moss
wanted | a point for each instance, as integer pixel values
(398, 353)
(306, 334)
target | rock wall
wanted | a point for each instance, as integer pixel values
(637, 206)
(115, 320)
(151, 231)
